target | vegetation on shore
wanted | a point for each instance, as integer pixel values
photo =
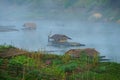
(43, 66)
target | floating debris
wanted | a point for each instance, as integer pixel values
(7, 28)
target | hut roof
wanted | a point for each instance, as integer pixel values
(88, 51)
(29, 24)
(59, 36)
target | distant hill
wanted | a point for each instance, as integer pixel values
(82, 9)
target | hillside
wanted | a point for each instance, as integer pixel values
(42, 66)
(106, 10)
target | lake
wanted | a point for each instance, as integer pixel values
(104, 37)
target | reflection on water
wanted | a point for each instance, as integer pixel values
(104, 37)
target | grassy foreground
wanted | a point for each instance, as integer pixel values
(42, 66)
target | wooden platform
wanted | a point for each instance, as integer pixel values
(65, 44)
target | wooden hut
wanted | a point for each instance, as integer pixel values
(30, 25)
(90, 52)
(59, 38)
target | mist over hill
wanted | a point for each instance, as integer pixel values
(59, 9)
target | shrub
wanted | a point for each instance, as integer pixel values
(33, 75)
(69, 67)
(53, 72)
(66, 58)
(16, 64)
(113, 69)
(1, 61)
(56, 62)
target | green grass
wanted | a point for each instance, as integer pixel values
(40, 66)
(5, 47)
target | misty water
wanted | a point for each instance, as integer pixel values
(104, 37)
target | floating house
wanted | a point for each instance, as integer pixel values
(58, 38)
(30, 25)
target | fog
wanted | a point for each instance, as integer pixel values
(95, 25)
(57, 9)
(10, 11)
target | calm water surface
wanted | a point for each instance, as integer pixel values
(104, 37)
